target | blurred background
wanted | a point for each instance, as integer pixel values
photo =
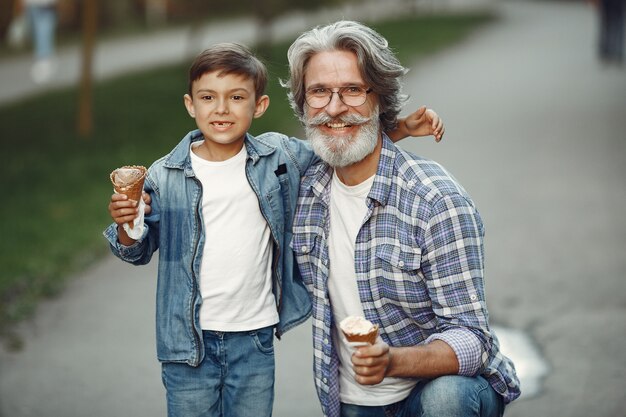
(533, 96)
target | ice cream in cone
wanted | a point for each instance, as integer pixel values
(359, 329)
(129, 180)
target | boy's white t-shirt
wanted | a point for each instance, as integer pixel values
(236, 267)
(347, 211)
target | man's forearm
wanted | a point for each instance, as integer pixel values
(425, 361)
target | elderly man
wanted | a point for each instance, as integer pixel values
(384, 234)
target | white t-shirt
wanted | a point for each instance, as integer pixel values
(347, 212)
(236, 267)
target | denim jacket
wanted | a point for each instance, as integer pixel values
(175, 227)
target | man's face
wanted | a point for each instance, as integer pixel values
(340, 134)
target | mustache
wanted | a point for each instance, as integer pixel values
(324, 118)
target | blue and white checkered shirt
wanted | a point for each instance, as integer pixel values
(419, 267)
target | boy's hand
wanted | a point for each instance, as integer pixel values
(147, 200)
(424, 122)
(370, 363)
(123, 210)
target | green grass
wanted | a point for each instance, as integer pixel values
(56, 187)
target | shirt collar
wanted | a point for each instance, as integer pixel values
(384, 173)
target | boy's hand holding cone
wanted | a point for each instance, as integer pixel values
(128, 180)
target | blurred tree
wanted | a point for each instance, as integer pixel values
(85, 99)
(198, 12)
(7, 13)
(266, 11)
(156, 12)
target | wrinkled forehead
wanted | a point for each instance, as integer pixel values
(332, 69)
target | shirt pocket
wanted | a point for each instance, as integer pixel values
(398, 258)
(399, 279)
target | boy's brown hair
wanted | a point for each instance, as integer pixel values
(229, 58)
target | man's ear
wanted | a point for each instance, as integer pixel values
(189, 105)
(261, 105)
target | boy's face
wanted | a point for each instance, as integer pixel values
(224, 106)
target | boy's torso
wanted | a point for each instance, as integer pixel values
(273, 172)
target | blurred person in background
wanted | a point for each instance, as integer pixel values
(611, 33)
(383, 234)
(42, 18)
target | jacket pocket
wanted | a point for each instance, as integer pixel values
(306, 249)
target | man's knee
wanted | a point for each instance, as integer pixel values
(453, 395)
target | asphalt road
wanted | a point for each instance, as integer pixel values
(535, 130)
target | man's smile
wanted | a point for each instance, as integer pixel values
(338, 125)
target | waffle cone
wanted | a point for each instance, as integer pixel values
(130, 184)
(367, 338)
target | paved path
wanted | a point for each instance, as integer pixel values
(535, 131)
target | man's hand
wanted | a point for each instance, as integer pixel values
(370, 363)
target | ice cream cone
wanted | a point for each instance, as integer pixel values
(129, 180)
(358, 329)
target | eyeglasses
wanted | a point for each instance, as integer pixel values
(352, 96)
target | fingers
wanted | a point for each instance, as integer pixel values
(440, 132)
(416, 117)
(370, 363)
(147, 200)
(122, 210)
(436, 125)
(367, 355)
(420, 112)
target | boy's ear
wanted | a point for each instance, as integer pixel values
(189, 105)
(261, 105)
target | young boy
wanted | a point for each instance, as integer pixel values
(219, 209)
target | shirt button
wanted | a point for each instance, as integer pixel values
(324, 380)
(325, 341)
(305, 248)
(401, 264)
(473, 297)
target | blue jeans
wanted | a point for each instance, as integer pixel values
(446, 396)
(236, 377)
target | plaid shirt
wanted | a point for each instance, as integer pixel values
(419, 267)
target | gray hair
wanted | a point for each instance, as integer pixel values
(379, 66)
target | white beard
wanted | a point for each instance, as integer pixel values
(341, 151)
